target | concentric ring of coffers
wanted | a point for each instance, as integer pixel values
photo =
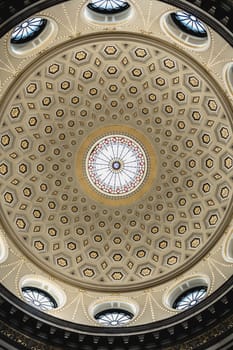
(183, 176)
(183, 292)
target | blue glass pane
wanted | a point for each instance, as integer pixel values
(39, 298)
(189, 23)
(28, 30)
(113, 317)
(108, 6)
(190, 298)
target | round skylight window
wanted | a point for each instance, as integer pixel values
(108, 6)
(187, 29)
(113, 317)
(116, 165)
(189, 23)
(28, 30)
(39, 298)
(190, 298)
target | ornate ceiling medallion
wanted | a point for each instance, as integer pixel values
(116, 165)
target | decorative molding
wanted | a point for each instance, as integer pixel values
(211, 320)
(208, 323)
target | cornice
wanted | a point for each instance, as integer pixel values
(210, 321)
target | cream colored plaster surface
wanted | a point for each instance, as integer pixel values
(132, 77)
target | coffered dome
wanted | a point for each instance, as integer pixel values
(115, 162)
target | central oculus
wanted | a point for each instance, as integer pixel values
(116, 165)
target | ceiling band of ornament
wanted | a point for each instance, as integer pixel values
(55, 328)
(200, 9)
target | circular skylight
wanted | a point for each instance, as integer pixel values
(116, 165)
(114, 317)
(190, 298)
(108, 6)
(189, 23)
(28, 30)
(39, 298)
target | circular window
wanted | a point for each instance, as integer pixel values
(108, 10)
(187, 29)
(28, 30)
(114, 313)
(187, 293)
(41, 293)
(114, 317)
(116, 165)
(108, 6)
(190, 298)
(189, 24)
(32, 35)
(39, 298)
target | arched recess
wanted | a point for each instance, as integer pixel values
(38, 291)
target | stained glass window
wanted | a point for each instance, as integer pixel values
(113, 317)
(108, 6)
(39, 298)
(190, 298)
(28, 30)
(189, 23)
(116, 165)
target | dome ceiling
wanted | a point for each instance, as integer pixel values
(115, 97)
(115, 162)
